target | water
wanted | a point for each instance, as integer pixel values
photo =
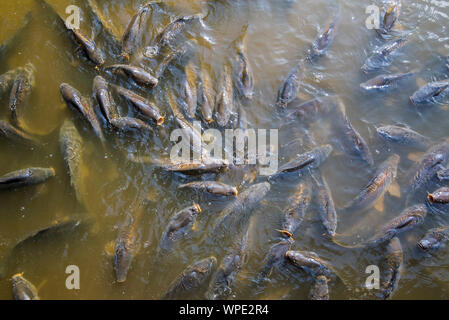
(279, 34)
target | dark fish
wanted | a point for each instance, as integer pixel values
(225, 100)
(243, 204)
(297, 206)
(275, 257)
(211, 187)
(22, 289)
(224, 277)
(309, 111)
(189, 92)
(394, 260)
(7, 80)
(427, 167)
(311, 159)
(209, 165)
(429, 91)
(142, 105)
(384, 81)
(191, 278)
(178, 226)
(171, 58)
(439, 196)
(125, 244)
(325, 39)
(382, 56)
(309, 261)
(434, 238)
(134, 31)
(105, 23)
(326, 206)
(72, 151)
(244, 79)
(126, 124)
(137, 74)
(21, 89)
(320, 288)
(104, 98)
(25, 177)
(16, 135)
(408, 219)
(79, 104)
(403, 136)
(92, 51)
(376, 187)
(289, 88)
(390, 17)
(206, 95)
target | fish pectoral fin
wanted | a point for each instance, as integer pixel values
(415, 156)
(379, 204)
(394, 189)
(109, 248)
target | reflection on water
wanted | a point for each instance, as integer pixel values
(279, 36)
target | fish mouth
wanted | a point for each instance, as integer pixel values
(197, 207)
(431, 198)
(160, 121)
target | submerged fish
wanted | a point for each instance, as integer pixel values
(309, 111)
(320, 288)
(78, 103)
(393, 263)
(178, 226)
(429, 91)
(439, 196)
(17, 34)
(309, 261)
(390, 17)
(289, 88)
(311, 159)
(209, 165)
(434, 238)
(22, 289)
(72, 151)
(274, 258)
(244, 79)
(213, 187)
(191, 278)
(104, 98)
(376, 187)
(403, 136)
(92, 51)
(223, 279)
(189, 92)
(170, 58)
(225, 100)
(134, 31)
(144, 106)
(382, 56)
(138, 75)
(25, 177)
(206, 95)
(324, 39)
(21, 89)
(16, 135)
(384, 81)
(297, 206)
(326, 206)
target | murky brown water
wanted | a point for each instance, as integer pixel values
(279, 34)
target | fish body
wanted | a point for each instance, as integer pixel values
(429, 91)
(225, 100)
(382, 56)
(92, 51)
(20, 91)
(310, 110)
(326, 206)
(394, 259)
(104, 98)
(289, 88)
(275, 256)
(189, 91)
(134, 31)
(434, 238)
(320, 288)
(309, 261)
(25, 177)
(439, 196)
(297, 207)
(206, 95)
(23, 289)
(244, 78)
(206, 166)
(213, 187)
(385, 81)
(137, 74)
(324, 39)
(11, 133)
(403, 136)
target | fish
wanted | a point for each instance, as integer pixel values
(382, 57)
(105, 23)
(125, 245)
(137, 74)
(206, 94)
(309, 111)
(376, 187)
(170, 58)
(225, 99)
(17, 34)
(21, 89)
(79, 104)
(23, 289)
(242, 206)
(189, 91)
(309, 261)
(134, 31)
(7, 79)
(11, 133)
(439, 196)
(275, 257)
(25, 177)
(144, 106)
(126, 124)
(311, 159)
(243, 78)
(352, 140)
(385, 81)
(403, 136)
(326, 206)
(179, 225)
(390, 17)
(429, 91)
(213, 187)
(320, 288)
(408, 219)
(443, 174)
(427, 167)
(324, 39)
(434, 239)
(394, 259)
(104, 98)
(170, 33)
(290, 87)
(209, 165)
(191, 278)
(72, 148)
(225, 276)
(90, 48)
(297, 206)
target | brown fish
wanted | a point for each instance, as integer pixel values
(439, 196)
(25, 177)
(138, 75)
(11, 133)
(21, 89)
(326, 206)
(244, 79)
(297, 206)
(320, 288)
(213, 187)
(290, 87)
(104, 98)
(209, 165)
(134, 31)
(225, 100)
(393, 263)
(206, 94)
(189, 92)
(23, 289)
(434, 238)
